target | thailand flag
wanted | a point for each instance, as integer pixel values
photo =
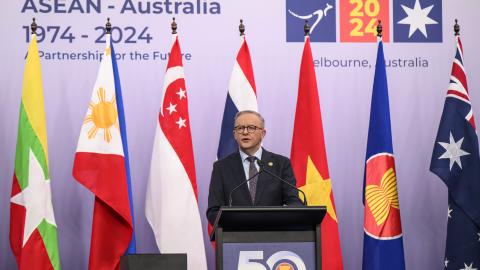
(171, 204)
(101, 165)
(382, 242)
(242, 95)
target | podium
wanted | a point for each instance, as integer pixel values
(153, 261)
(268, 238)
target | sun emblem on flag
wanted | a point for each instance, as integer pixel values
(103, 115)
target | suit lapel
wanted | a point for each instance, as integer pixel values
(239, 175)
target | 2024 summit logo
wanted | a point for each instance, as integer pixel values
(412, 20)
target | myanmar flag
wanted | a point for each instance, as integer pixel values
(33, 231)
(309, 159)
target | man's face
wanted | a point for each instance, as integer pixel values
(249, 132)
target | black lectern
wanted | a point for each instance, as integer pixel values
(268, 237)
(153, 261)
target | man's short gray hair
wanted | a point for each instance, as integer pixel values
(252, 112)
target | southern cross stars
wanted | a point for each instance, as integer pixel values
(453, 151)
(468, 267)
(417, 18)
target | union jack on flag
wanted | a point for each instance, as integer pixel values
(456, 161)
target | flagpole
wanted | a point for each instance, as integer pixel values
(174, 26)
(33, 26)
(456, 28)
(108, 27)
(241, 28)
(379, 29)
(306, 28)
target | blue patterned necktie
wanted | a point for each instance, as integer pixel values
(252, 170)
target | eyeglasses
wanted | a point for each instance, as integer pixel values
(250, 129)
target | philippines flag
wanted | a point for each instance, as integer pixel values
(101, 165)
(456, 161)
(382, 243)
(309, 159)
(171, 204)
(242, 95)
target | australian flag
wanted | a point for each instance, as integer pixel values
(456, 161)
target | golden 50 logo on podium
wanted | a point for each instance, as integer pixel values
(409, 20)
(269, 256)
(281, 260)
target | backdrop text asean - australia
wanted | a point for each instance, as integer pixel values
(125, 6)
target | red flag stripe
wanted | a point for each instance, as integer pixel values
(104, 175)
(37, 253)
(458, 94)
(175, 57)
(17, 223)
(459, 74)
(245, 63)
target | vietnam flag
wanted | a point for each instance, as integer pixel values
(309, 159)
(101, 166)
(171, 204)
(33, 231)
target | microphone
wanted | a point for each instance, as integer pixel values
(262, 166)
(230, 199)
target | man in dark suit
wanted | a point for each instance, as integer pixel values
(263, 190)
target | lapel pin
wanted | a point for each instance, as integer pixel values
(270, 164)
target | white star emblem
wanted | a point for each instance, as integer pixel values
(446, 262)
(36, 198)
(478, 237)
(181, 122)
(171, 108)
(449, 212)
(181, 94)
(417, 18)
(468, 267)
(453, 151)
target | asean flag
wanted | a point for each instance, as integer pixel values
(171, 204)
(309, 159)
(382, 242)
(100, 166)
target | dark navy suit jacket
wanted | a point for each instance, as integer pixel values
(228, 173)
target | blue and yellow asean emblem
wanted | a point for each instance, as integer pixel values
(382, 209)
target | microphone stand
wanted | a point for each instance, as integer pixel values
(263, 169)
(230, 199)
